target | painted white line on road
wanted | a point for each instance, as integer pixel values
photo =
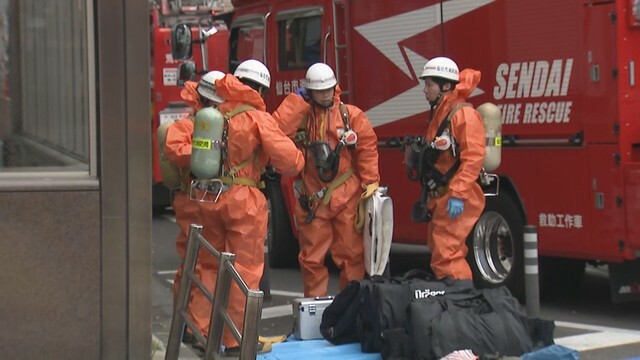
(167, 272)
(603, 337)
(159, 350)
(287, 293)
(171, 218)
(595, 327)
(597, 271)
(277, 311)
(292, 294)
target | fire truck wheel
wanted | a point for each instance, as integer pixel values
(496, 246)
(283, 247)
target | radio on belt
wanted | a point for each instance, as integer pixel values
(307, 316)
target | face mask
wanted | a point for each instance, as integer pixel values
(325, 159)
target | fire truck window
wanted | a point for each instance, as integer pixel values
(46, 87)
(299, 42)
(246, 42)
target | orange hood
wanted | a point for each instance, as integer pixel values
(469, 79)
(234, 92)
(190, 95)
(336, 95)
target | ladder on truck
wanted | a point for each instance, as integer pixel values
(219, 300)
(342, 38)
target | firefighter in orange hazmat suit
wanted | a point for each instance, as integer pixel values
(456, 209)
(341, 169)
(237, 221)
(178, 151)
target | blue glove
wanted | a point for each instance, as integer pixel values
(302, 92)
(455, 207)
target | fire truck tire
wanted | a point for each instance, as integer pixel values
(496, 254)
(282, 245)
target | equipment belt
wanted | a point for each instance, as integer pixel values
(227, 180)
(325, 193)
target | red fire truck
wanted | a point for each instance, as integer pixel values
(561, 71)
(165, 88)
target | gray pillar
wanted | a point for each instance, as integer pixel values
(531, 280)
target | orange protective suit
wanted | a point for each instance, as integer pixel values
(332, 229)
(237, 222)
(448, 236)
(178, 151)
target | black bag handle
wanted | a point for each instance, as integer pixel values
(416, 274)
(409, 275)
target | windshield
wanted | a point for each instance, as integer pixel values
(299, 42)
(246, 42)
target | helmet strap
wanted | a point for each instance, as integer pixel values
(435, 102)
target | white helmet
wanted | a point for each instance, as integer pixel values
(441, 67)
(320, 77)
(207, 86)
(255, 71)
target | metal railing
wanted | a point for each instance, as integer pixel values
(219, 300)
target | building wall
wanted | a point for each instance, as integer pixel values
(75, 263)
(50, 303)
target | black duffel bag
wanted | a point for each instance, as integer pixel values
(340, 318)
(374, 311)
(485, 321)
(385, 304)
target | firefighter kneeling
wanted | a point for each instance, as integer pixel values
(447, 160)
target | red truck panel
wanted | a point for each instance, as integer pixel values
(631, 204)
(563, 73)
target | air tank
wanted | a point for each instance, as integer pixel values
(171, 177)
(492, 122)
(207, 145)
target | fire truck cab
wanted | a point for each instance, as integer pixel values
(561, 71)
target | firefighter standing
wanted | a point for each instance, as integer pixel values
(178, 151)
(235, 220)
(458, 207)
(341, 169)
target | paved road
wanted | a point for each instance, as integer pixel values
(588, 322)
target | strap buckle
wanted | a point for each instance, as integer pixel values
(319, 194)
(209, 186)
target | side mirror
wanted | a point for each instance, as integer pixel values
(181, 42)
(186, 72)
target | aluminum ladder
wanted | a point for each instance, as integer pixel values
(219, 301)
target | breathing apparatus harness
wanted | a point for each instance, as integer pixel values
(421, 156)
(327, 161)
(226, 180)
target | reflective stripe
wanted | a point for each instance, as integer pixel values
(531, 269)
(494, 141)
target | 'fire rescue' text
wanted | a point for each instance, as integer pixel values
(530, 80)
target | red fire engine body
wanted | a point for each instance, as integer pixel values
(165, 90)
(561, 71)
